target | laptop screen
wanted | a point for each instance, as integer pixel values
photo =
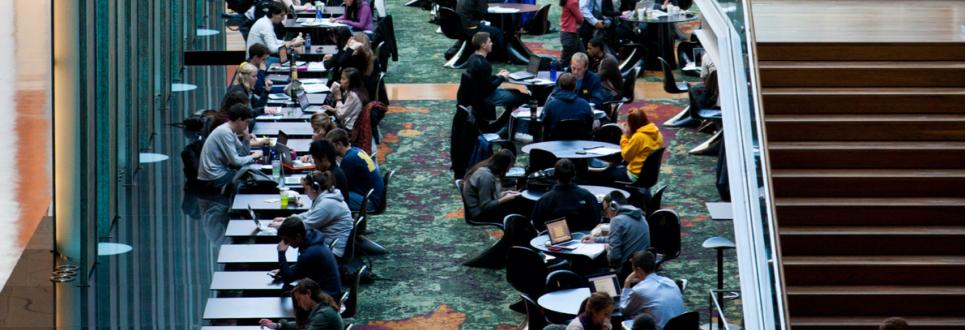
(534, 62)
(303, 101)
(251, 213)
(605, 283)
(558, 230)
(282, 138)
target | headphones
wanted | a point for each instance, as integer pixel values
(313, 181)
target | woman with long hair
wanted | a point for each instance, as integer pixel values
(597, 310)
(640, 139)
(482, 188)
(314, 309)
(244, 80)
(322, 123)
(358, 15)
(350, 97)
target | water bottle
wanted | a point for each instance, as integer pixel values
(308, 43)
(275, 166)
(318, 13)
(553, 70)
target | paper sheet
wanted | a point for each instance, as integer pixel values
(315, 88)
(278, 96)
(604, 151)
(502, 10)
(316, 66)
(590, 250)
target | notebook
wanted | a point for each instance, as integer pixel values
(559, 233)
(530, 72)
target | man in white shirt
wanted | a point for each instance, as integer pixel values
(263, 32)
(646, 292)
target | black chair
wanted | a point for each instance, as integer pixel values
(685, 321)
(564, 279)
(540, 159)
(664, 235)
(539, 24)
(568, 130)
(627, 94)
(714, 117)
(380, 93)
(653, 204)
(351, 246)
(364, 207)
(494, 256)
(350, 301)
(609, 133)
(519, 230)
(452, 28)
(535, 315)
(526, 271)
(385, 192)
(649, 173)
(382, 53)
(670, 85)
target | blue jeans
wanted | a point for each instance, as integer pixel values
(355, 203)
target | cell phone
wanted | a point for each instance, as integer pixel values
(554, 248)
(581, 152)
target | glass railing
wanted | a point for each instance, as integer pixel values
(727, 35)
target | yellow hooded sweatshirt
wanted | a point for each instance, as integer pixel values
(636, 148)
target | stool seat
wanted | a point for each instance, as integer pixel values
(718, 242)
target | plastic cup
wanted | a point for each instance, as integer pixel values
(283, 197)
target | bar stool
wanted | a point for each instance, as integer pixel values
(720, 244)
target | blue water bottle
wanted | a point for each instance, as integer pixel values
(308, 43)
(318, 13)
(553, 70)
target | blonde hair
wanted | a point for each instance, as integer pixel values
(580, 57)
(244, 70)
(366, 51)
(322, 121)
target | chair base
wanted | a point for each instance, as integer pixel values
(492, 258)
(681, 119)
(461, 58)
(709, 147)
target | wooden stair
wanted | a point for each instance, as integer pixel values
(866, 143)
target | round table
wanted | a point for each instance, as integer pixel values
(522, 113)
(565, 301)
(665, 36)
(509, 23)
(542, 79)
(598, 191)
(676, 18)
(574, 149)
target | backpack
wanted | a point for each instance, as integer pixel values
(191, 159)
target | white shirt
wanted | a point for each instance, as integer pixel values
(656, 295)
(263, 32)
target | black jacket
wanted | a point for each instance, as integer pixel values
(578, 205)
(472, 11)
(484, 83)
(315, 261)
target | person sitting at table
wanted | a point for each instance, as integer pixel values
(473, 13)
(237, 96)
(358, 15)
(570, 20)
(486, 201)
(644, 322)
(640, 139)
(350, 97)
(607, 67)
(258, 56)
(322, 123)
(315, 260)
(595, 18)
(646, 292)
(263, 32)
(565, 105)
(567, 199)
(314, 310)
(219, 158)
(487, 94)
(588, 85)
(328, 213)
(322, 154)
(629, 231)
(358, 54)
(362, 173)
(244, 81)
(597, 310)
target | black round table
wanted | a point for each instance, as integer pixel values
(566, 301)
(508, 21)
(575, 149)
(598, 191)
(665, 36)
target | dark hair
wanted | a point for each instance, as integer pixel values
(352, 12)
(356, 85)
(235, 97)
(566, 82)
(322, 149)
(314, 291)
(338, 136)
(644, 321)
(893, 323)
(635, 119)
(615, 197)
(597, 42)
(239, 111)
(320, 181)
(499, 163)
(564, 170)
(342, 34)
(479, 39)
(275, 8)
(291, 227)
(597, 302)
(645, 260)
(257, 50)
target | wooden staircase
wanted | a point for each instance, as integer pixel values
(867, 152)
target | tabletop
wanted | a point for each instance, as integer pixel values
(253, 254)
(285, 114)
(246, 228)
(565, 301)
(590, 250)
(720, 211)
(329, 10)
(249, 308)
(598, 191)
(313, 98)
(309, 23)
(522, 113)
(542, 79)
(290, 128)
(575, 148)
(675, 18)
(256, 280)
(269, 202)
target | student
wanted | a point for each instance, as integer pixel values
(350, 97)
(588, 85)
(646, 292)
(485, 198)
(322, 123)
(244, 81)
(894, 323)
(219, 155)
(362, 173)
(566, 199)
(322, 154)
(263, 32)
(315, 260)
(607, 67)
(357, 53)
(315, 310)
(487, 94)
(629, 231)
(258, 56)
(594, 20)
(570, 20)
(237, 96)
(328, 213)
(565, 105)
(358, 15)
(597, 310)
(640, 139)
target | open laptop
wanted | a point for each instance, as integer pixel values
(306, 105)
(559, 233)
(260, 226)
(606, 283)
(530, 72)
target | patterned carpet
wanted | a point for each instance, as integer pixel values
(426, 286)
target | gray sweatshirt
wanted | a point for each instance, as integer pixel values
(629, 233)
(331, 216)
(482, 193)
(219, 153)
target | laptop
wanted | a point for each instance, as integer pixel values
(559, 233)
(531, 70)
(307, 106)
(606, 283)
(260, 226)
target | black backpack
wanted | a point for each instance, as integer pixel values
(239, 6)
(190, 159)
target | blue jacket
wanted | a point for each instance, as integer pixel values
(315, 261)
(362, 175)
(590, 88)
(565, 105)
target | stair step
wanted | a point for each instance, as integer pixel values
(871, 323)
(868, 182)
(874, 270)
(863, 51)
(870, 211)
(872, 300)
(863, 154)
(889, 127)
(881, 240)
(862, 74)
(863, 100)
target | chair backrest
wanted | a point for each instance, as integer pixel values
(352, 303)
(564, 279)
(609, 133)
(540, 159)
(496, 145)
(379, 8)
(525, 271)
(629, 82)
(364, 207)
(653, 204)
(535, 316)
(465, 91)
(383, 54)
(380, 93)
(650, 171)
(665, 233)
(685, 321)
(385, 191)
(451, 24)
(570, 129)
(669, 82)
(539, 24)
(351, 247)
(519, 230)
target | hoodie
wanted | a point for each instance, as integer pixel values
(331, 216)
(629, 233)
(565, 105)
(640, 145)
(315, 261)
